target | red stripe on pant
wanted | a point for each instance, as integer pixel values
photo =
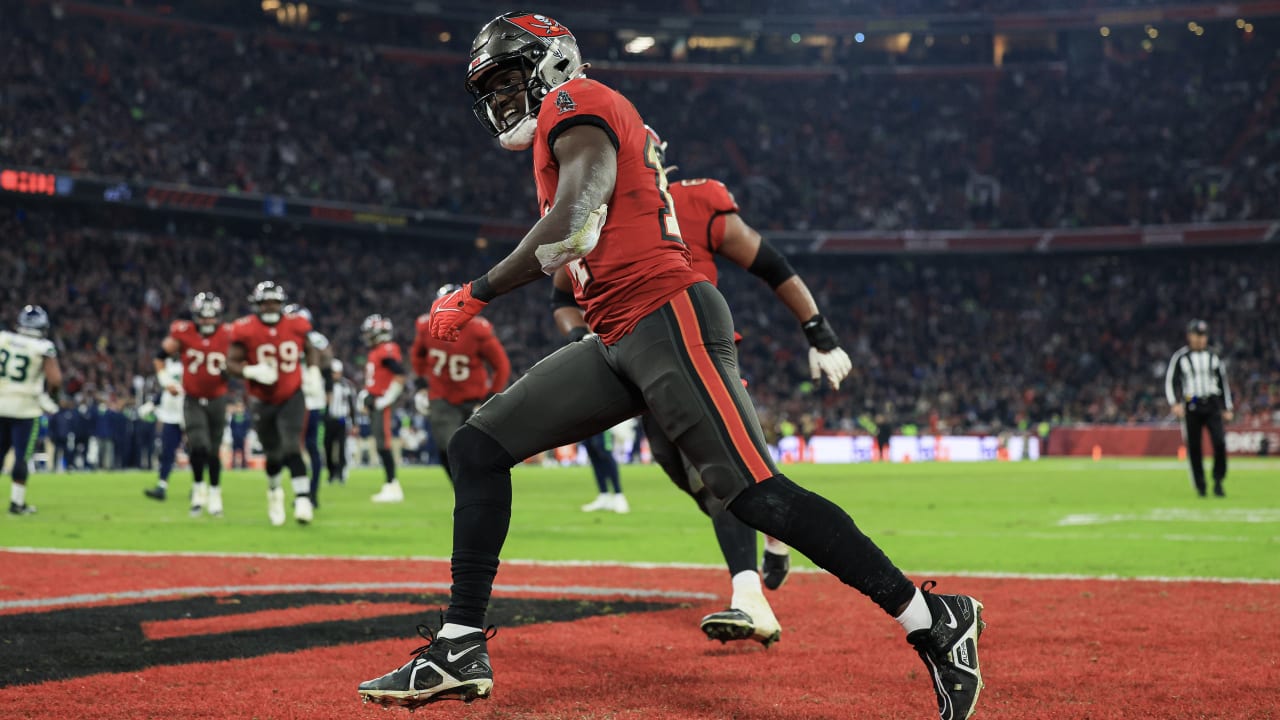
(386, 427)
(730, 418)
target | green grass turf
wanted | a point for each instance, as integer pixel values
(1136, 517)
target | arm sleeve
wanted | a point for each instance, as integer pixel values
(561, 298)
(393, 364)
(771, 265)
(1173, 379)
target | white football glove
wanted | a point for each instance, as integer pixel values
(556, 255)
(261, 373)
(422, 402)
(47, 404)
(835, 365)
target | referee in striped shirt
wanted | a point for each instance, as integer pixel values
(1196, 387)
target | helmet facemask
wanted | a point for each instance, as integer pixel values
(516, 60)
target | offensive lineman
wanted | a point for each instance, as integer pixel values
(268, 349)
(664, 343)
(30, 380)
(202, 346)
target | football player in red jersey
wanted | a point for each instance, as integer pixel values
(455, 375)
(269, 350)
(383, 384)
(202, 344)
(665, 344)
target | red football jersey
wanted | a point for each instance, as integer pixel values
(456, 371)
(641, 261)
(377, 376)
(204, 359)
(283, 345)
(701, 205)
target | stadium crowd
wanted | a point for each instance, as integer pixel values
(1176, 135)
(966, 343)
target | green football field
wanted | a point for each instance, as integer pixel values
(1113, 517)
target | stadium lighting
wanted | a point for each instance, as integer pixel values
(1240, 23)
(1153, 33)
(1147, 45)
(1248, 27)
(270, 5)
(446, 36)
(639, 44)
(1104, 31)
(795, 38)
(859, 37)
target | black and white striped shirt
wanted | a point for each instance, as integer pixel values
(342, 400)
(1197, 376)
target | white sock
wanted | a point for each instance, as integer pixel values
(18, 494)
(917, 615)
(451, 631)
(273, 482)
(775, 546)
(746, 582)
(301, 485)
(162, 484)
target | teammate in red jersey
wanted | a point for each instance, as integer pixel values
(269, 350)
(202, 344)
(456, 374)
(665, 345)
(383, 384)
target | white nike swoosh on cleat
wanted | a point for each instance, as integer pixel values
(454, 657)
(952, 623)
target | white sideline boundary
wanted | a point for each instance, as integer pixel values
(603, 564)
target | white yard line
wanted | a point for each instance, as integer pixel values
(602, 564)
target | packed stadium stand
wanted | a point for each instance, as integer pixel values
(907, 132)
(1175, 136)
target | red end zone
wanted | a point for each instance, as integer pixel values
(1053, 648)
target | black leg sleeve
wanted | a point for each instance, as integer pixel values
(481, 518)
(827, 535)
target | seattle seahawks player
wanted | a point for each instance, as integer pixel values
(30, 379)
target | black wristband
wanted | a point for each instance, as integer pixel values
(578, 333)
(55, 393)
(481, 290)
(162, 355)
(819, 334)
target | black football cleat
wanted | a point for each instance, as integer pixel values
(23, 509)
(1218, 491)
(949, 650)
(443, 669)
(155, 493)
(774, 569)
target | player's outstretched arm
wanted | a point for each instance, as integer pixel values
(744, 246)
(569, 230)
(169, 347)
(588, 172)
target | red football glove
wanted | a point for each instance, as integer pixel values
(452, 312)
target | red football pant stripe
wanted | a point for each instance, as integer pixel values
(730, 418)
